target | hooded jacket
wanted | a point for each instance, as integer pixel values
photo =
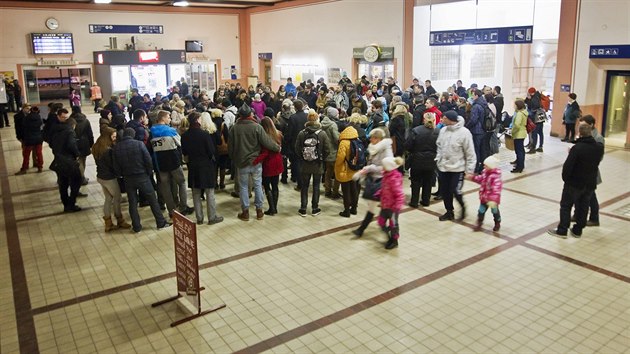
(477, 114)
(342, 172)
(84, 133)
(332, 131)
(490, 185)
(32, 129)
(571, 113)
(519, 124)
(229, 116)
(455, 149)
(377, 153)
(63, 141)
(391, 192)
(166, 145)
(436, 111)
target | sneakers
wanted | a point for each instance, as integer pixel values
(540, 149)
(216, 220)
(447, 216)
(555, 233)
(574, 234)
(592, 223)
(531, 151)
(302, 212)
(316, 211)
(165, 225)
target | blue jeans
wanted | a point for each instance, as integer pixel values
(244, 174)
(519, 148)
(142, 184)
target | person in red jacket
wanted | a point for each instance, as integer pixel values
(272, 167)
(392, 199)
(489, 191)
(431, 105)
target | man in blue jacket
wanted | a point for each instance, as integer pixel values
(475, 125)
(290, 87)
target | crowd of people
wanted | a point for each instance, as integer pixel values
(359, 139)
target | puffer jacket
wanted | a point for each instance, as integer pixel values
(377, 153)
(332, 132)
(455, 149)
(342, 172)
(391, 192)
(422, 148)
(166, 148)
(571, 113)
(490, 185)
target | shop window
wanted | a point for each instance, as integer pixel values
(445, 63)
(482, 61)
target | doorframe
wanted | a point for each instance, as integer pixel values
(609, 75)
(261, 70)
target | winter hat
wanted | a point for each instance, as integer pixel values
(257, 97)
(226, 102)
(492, 162)
(312, 116)
(531, 90)
(391, 163)
(287, 102)
(244, 111)
(474, 86)
(451, 115)
(105, 113)
(332, 113)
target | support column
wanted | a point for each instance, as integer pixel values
(407, 59)
(245, 44)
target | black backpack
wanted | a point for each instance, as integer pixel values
(489, 120)
(357, 159)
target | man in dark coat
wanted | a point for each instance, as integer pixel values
(296, 124)
(64, 146)
(579, 174)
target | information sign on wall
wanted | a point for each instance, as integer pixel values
(609, 51)
(140, 29)
(500, 35)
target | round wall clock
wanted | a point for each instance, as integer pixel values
(52, 23)
(371, 54)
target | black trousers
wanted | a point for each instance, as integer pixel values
(421, 181)
(350, 192)
(72, 182)
(451, 184)
(581, 198)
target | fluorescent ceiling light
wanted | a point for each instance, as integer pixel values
(102, 1)
(180, 3)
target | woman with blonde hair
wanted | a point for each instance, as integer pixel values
(422, 148)
(106, 177)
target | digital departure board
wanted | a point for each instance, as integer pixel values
(52, 43)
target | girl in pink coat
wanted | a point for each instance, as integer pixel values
(392, 200)
(489, 192)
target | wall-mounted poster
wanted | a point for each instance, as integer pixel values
(334, 75)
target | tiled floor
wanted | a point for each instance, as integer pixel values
(294, 284)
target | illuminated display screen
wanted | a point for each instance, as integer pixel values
(52, 43)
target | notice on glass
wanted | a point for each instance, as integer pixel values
(186, 262)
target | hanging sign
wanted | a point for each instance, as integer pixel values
(139, 29)
(500, 35)
(609, 51)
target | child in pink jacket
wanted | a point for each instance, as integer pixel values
(392, 200)
(489, 192)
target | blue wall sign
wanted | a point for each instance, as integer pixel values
(139, 29)
(565, 88)
(265, 56)
(609, 51)
(500, 35)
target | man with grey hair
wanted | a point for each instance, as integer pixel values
(579, 174)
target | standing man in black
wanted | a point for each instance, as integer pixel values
(296, 124)
(64, 146)
(579, 174)
(17, 93)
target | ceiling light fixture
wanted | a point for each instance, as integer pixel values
(180, 3)
(102, 1)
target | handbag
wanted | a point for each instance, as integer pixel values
(530, 125)
(372, 185)
(65, 165)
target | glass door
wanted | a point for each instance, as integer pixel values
(46, 84)
(202, 76)
(617, 111)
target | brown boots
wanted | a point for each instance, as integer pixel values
(259, 214)
(244, 215)
(109, 225)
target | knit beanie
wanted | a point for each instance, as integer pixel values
(492, 162)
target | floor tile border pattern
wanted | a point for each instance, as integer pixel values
(27, 336)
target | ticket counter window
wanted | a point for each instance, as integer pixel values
(375, 71)
(43, 85)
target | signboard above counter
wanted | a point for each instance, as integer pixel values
(135, 29)
(499, 35)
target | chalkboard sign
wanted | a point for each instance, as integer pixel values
(186, 262)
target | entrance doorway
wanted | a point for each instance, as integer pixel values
(617, 108)
(264, 67)
(202, 76)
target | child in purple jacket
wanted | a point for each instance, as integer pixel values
(392, 199)
(489, 192)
